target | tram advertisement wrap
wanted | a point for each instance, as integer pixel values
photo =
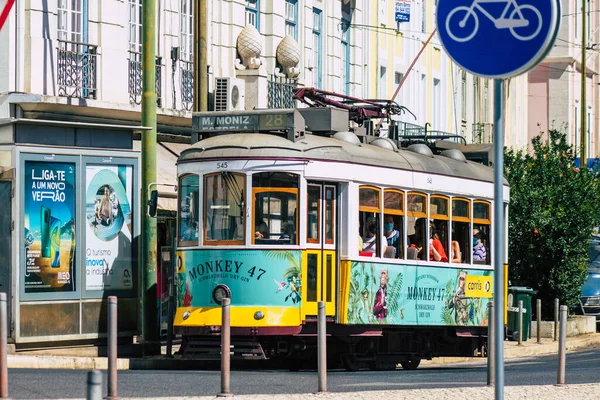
(108, 250)
(49, 227)
(408, 295)
(268, 278)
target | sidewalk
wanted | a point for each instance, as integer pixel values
(79, 358)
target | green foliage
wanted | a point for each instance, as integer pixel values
(553, 210)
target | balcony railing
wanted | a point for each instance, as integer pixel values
(483, 132)
(186, 71)
(281, 92)
(412, 133)
(135, 78)
(76, 69)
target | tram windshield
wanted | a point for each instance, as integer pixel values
(275, 208)
(224, 205)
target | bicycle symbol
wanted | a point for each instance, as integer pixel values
(520, 22)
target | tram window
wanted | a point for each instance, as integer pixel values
(416, 217)
(224, 208)
(393, 223)
(329, 216)
(372, 243)
(188, 210)
(313, 228)
(438, 232)
(461, 236)
(275, 204)
(481, 233)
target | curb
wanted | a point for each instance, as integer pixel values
(511, 350)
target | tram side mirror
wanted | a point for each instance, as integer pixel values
(153, 203)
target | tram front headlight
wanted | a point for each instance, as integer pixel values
(220, 292)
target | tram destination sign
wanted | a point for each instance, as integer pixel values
(286, 121)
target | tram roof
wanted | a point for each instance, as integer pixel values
(313, 147)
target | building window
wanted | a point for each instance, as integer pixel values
(187, 30)
(69, 20)
(291, 18)
(135, 26)
(345, 56)
(463, 95)
(589, 20)
(475, 100)
(382, 82)
(437, 96)
(252, 7)
(398, 78)
(485, 100)
(317, 48)
(588, 127)
(423, 16)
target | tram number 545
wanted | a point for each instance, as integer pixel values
(222, 165)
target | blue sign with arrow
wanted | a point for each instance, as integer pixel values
(498, 38)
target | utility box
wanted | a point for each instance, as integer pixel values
(515, 294)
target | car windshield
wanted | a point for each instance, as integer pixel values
(594, 254)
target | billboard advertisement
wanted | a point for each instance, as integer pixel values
(49, 227)
(418, 295)
(108, 240)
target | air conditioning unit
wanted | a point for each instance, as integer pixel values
(229, 94)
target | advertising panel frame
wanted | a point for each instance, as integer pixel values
(111, 163)
(50, 159)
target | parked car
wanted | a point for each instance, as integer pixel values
(590, 291)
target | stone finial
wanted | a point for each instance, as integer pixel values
(250, 45)
(288, 56)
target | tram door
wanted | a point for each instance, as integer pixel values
(319, 259)
(5, 245)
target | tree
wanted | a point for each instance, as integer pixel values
(552, 212)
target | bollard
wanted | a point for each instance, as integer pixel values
(94, 385)
(538, 313)
(112, 348)
(225, 348)
(520, 322)
(3, 346)
(322, 343)
(562, 344)
(491, 356)
(556, 306)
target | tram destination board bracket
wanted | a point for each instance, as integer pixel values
(288, 123)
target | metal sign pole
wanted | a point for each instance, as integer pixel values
(499, 225)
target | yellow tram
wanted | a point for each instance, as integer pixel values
(281, 209)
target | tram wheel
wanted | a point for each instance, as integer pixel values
(411, 364)
(349, 364)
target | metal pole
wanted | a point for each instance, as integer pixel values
(520, 322)
(562, 343)
(583, 155)
(491, 327)
(538, 313)
(112, 347)
(499, 233)
(94, 385)
(225, 348)
(148, 246)
(556, 307)
(322, 350)
(3, 346)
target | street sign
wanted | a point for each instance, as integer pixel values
(402, 10)
(498, 38)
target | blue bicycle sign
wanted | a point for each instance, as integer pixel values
(498, 38)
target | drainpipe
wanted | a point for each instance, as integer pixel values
(582, 156)
(148, 247)
(200, 57)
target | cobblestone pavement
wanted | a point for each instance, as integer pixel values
(589, 391)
